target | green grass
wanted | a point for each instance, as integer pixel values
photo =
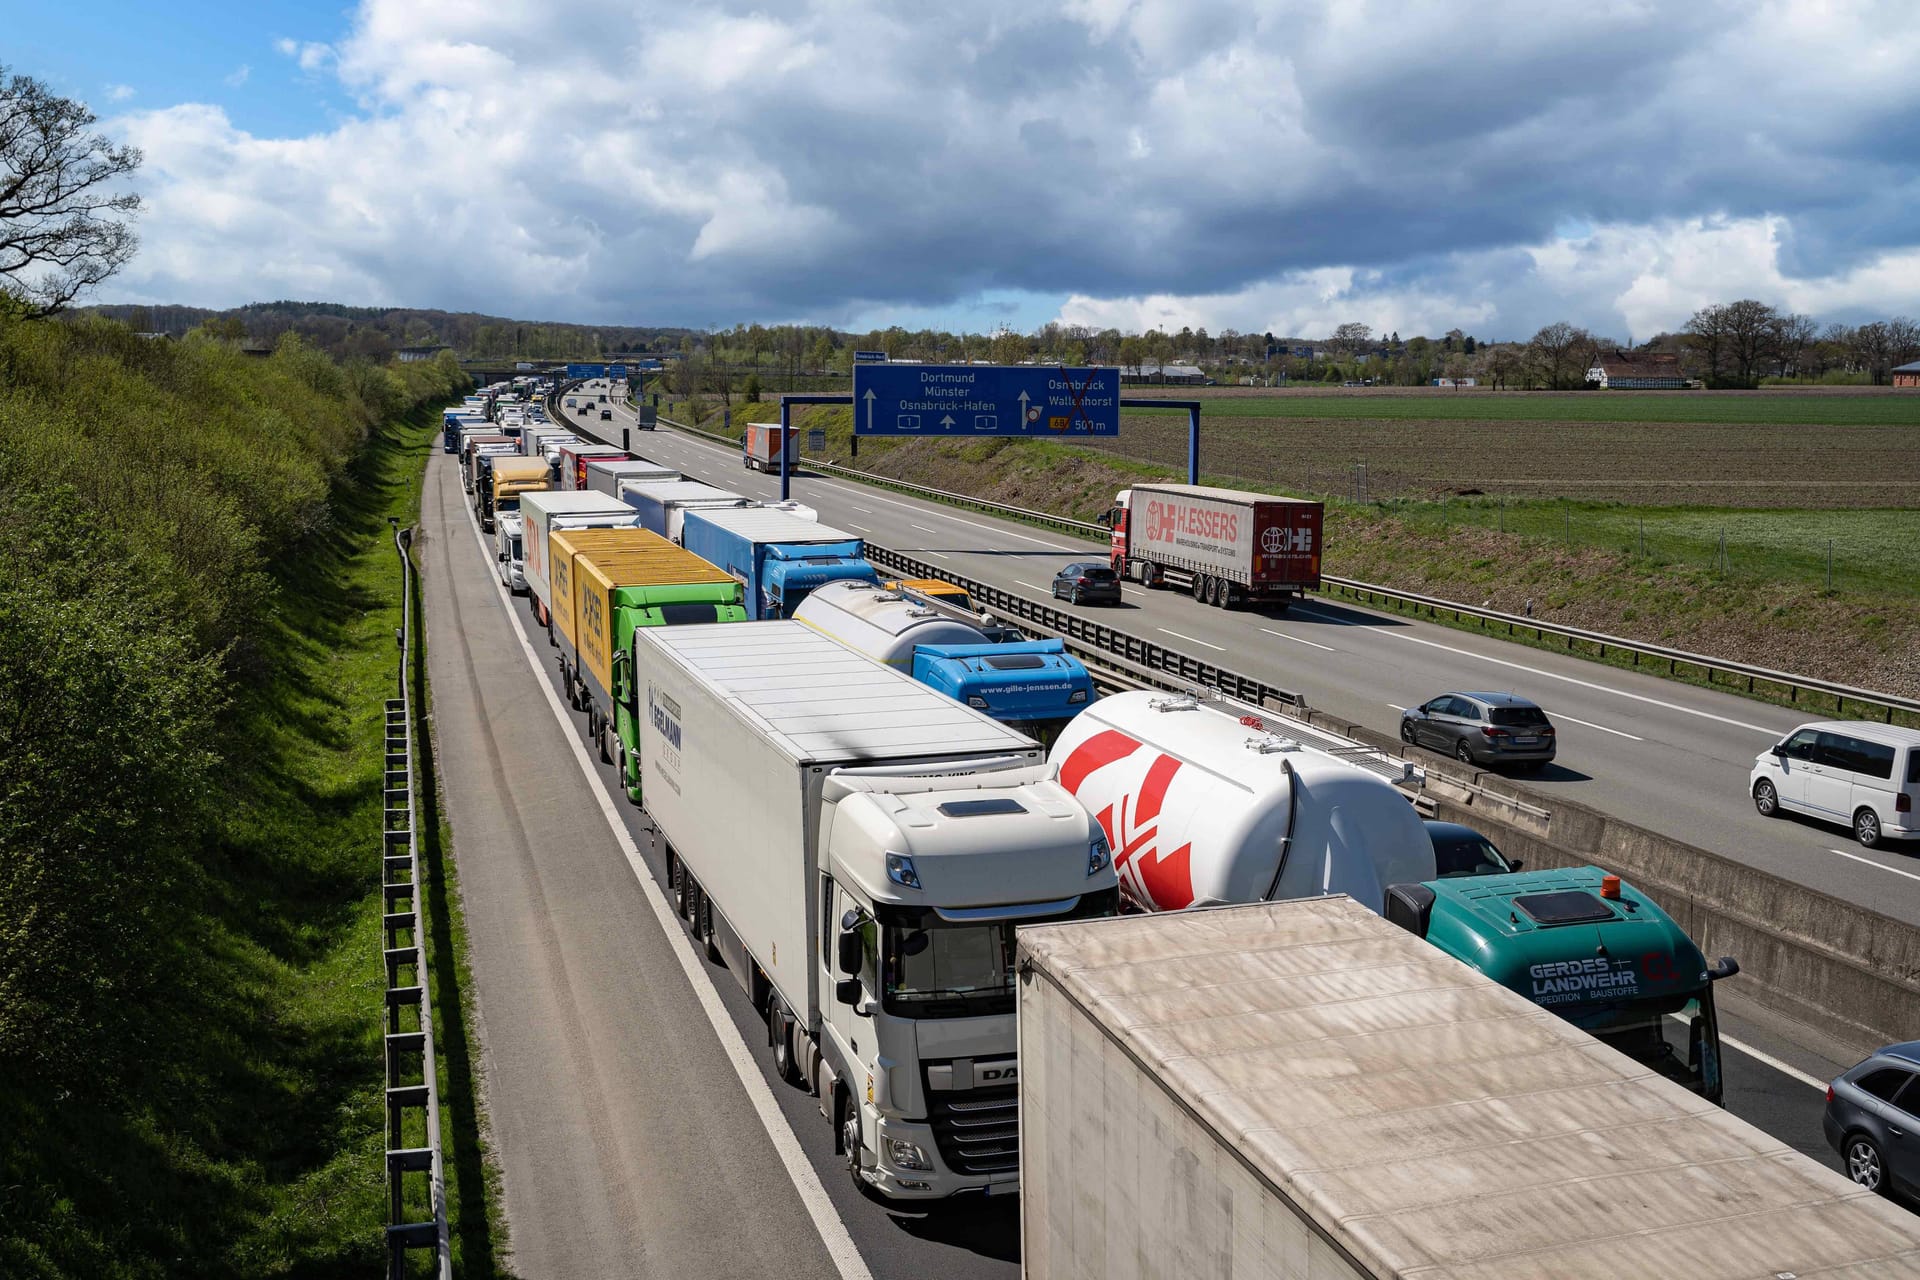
(251, 1141)
(1872, 550)
(1844, 408)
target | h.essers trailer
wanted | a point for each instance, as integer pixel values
(1301, 1089)
(1226, 546)
(859, 849)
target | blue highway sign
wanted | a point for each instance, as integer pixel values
(586, 371)
(984, 400)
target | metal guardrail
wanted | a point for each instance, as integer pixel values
(1712, 668)
(411, 1086)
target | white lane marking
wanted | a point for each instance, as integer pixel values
(1190, 640)
(1297, 640)
(935, 554)
(1870, 862)
(1396, 706)
(862, 528)
(1618, 733)
(1030, 586)
(1585, 684)
(857, 507)
(1765, 1059)
(922, 528)
(833, 1232)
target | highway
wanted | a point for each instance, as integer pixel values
(1664, 755)
(633, 1109)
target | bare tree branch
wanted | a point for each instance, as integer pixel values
(62, 228)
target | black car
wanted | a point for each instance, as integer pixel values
(1087, 582)
(1462, 851)
(1481, 728)
(1873, 1119)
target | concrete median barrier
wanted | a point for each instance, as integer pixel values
(1849, 972)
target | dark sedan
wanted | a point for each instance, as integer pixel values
(1481, 728)
(1873, 1120)
(1090, 582)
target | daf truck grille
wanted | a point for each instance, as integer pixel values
(977, 1130)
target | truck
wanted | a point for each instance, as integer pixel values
(576, 453)
(548, 513)
(452, 421)
(1227, 546)
(663, 504)
(627, 580)
(760, 447)
(509, 551)
(1294, 1089)
(512, 476)
(778, 557)
(857, 850)
(474, 445)
(604, 475)
(1211, 801)
(1030, 684)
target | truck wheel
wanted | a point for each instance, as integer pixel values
(606, 756)
(780, 1035)
(847, 1120)
(677, 884)
(1200, 587)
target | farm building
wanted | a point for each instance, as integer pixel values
(1163, 373)
(1907, 375)
(1622, 372)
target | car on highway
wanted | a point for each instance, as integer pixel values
(606, 415)
(1460, 851)
(1854, 772)
(1873, 1119)
(1087, 582)
(1482, 729)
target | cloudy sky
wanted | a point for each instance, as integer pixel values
(1260, 166)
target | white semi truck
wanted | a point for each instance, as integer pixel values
(1302, 1089)
(858, 848)
(1227, 546)
(1210, 801)
(543, 514)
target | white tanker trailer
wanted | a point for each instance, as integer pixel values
(1210, 802)
(887, 625)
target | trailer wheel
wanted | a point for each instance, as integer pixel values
(606, 756)
(1200, 587)
(780, 1035)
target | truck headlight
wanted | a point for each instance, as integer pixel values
(1099, 854)
(900, 871)
(977, 702)
(1076, 697)
(907, 1155)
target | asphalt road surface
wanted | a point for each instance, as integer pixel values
(633, 1109)
(1661, 754)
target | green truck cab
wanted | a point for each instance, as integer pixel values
(1591, 948)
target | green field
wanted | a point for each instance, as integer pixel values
(1838, 407)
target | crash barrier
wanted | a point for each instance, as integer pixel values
(413, 1100)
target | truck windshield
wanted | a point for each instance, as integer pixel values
(938, 968)
(1677, 1036)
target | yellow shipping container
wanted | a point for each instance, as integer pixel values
(567, 544)
(600, 575)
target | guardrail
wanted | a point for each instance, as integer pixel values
(1713, 669)
(411, 1087)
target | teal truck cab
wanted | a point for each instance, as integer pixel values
(1593, 949)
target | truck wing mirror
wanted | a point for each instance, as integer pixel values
(1514, 864)
(502, 557)
(847, 992)
(1725, 967)
(848, 953)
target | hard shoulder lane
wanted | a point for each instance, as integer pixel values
(609, 1097)
(1664, 755)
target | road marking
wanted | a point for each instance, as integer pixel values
(1297, 640)
(1585, 684)
(935, 554)
(1870, 862)
(1190, 640)
(1396, 706)
(806, 1183)
(862, 528)
(1618, 733)
(922, 528)
(1765, 1059)
(857, 507)
(1030, 586)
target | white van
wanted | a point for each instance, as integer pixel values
(1855, 772)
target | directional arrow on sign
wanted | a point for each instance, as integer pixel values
(1023, 411)
(947, 421)
(869, 399)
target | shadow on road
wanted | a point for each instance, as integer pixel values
(990, 1230)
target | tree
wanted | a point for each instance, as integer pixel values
(1794, 338)
(1751, 332)
(1561, 355)
(60, 215)
(1352, 338)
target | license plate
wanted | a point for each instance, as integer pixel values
(1526, 740)
(1003, 1188)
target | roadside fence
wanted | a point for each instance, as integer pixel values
(412, 1093)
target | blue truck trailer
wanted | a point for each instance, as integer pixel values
(780, 558)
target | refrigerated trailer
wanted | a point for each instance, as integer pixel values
(605, 475)
(1227, 546)
(663, 504)
(1300, 1089)
(779, 557)
(859, 849)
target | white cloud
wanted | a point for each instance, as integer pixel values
(119, 92)
(1256, 165)
(238, 76)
